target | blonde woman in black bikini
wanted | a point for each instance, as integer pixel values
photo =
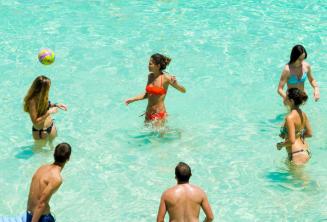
(37, 104)
(296, 128)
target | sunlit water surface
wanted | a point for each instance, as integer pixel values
(229, 56)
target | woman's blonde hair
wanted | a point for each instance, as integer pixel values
(39, 91)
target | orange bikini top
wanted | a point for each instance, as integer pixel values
(156, 90)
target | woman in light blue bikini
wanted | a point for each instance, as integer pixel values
(295, 72)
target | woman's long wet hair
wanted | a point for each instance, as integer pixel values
(39, 91)
(298, 96)
(297, 51)
(161, 60)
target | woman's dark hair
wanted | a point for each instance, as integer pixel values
(161, 60)
(297, 95)
(297, 51)
(183, 172)
(62, 152)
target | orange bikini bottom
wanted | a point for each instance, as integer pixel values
(156, 116)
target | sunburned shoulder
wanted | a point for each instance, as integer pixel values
(290, 117)
(197, 188)
(169, 77)
(171, 189)
(43, 168)
(306, 65)
(286, 68)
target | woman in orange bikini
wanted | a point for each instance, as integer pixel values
(296, 128)
(38, 106)
(156, 89)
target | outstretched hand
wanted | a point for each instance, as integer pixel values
(280, 145)
(128, 101)
(316, 95)
(62, 106)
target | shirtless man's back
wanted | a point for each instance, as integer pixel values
(45, 182)
(183, 201)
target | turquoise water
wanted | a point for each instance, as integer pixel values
(229, 56)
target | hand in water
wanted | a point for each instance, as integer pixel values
(279, 145)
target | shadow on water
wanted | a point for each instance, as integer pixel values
(278, 119)
(269, 125)
(27, 151)
(292, 178)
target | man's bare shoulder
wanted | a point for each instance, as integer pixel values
(191, 187)
(196, 187)
(48, 173)
(170, 190)
(44, 169)
(198, 190)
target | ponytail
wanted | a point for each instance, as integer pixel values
(161, 60)
(298, 96)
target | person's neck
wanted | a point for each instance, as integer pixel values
(180, 183)
(297, 65)
(295, 108)
(156, 74)
(59, 165)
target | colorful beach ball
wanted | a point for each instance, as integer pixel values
(46, 56)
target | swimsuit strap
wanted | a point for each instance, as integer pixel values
(298, 151)
(302, 131)
(295, 74)
(161, 80)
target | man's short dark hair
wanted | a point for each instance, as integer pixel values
(62, 152)
(183, 172)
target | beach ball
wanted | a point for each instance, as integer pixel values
(46, 56)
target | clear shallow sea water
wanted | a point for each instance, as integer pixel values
(229, 56)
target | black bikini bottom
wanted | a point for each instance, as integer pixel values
(47, 130)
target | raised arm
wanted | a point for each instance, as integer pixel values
(138, 97)
(173, 82)
(282, 82)
(45, 198)
(59, 105)
(162, 209)
(314, 84)
(207, 209)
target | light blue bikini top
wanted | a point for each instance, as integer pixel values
(293, 79)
